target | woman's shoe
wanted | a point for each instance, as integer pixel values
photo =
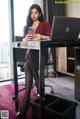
(20, 115)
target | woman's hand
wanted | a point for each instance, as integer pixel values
(37, 37)
(40, 37)
(28, 37)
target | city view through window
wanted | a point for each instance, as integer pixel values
(20, 13)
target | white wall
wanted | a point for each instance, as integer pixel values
(40, 2)
(73, 10)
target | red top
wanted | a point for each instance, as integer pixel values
(43, 29)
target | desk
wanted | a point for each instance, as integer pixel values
(41, 46)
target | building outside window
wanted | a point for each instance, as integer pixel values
(20, 13)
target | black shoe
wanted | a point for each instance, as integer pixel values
(20, 115)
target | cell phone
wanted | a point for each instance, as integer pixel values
(31, 31)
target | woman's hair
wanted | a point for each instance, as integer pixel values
(29, 19)
(37, 7)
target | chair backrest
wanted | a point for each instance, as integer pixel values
(20, 52)
(18, 38)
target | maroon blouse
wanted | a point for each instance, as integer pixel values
(43, 29)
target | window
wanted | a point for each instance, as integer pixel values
(21, 8)
(20, 13)
(4, 41)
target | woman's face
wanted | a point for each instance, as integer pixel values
(35, 14)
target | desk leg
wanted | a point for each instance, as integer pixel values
(41, 79)
(77, 75)
(15, 79)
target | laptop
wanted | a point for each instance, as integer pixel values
(65, 29)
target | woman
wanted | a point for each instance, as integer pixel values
(40, 30)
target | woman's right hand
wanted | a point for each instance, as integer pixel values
(28, 37)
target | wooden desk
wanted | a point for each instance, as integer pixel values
(41, 46)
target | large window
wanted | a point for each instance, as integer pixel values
(4, 41)
(21, 8)
(20, 13)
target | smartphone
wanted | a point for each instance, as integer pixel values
(31, 31)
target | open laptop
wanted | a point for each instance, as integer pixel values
(65, 29)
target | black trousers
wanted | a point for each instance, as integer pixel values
(31, 68)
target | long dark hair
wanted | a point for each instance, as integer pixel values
(29, 20)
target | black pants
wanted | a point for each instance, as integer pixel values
(31, 67)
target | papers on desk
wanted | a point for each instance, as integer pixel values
(31, 44)
(27, 44)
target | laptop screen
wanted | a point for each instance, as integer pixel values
(65, 29)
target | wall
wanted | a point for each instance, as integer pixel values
(73, 10)
(40, 2)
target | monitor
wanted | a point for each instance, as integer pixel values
(65, 29)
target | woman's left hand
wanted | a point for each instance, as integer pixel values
(37, 37)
